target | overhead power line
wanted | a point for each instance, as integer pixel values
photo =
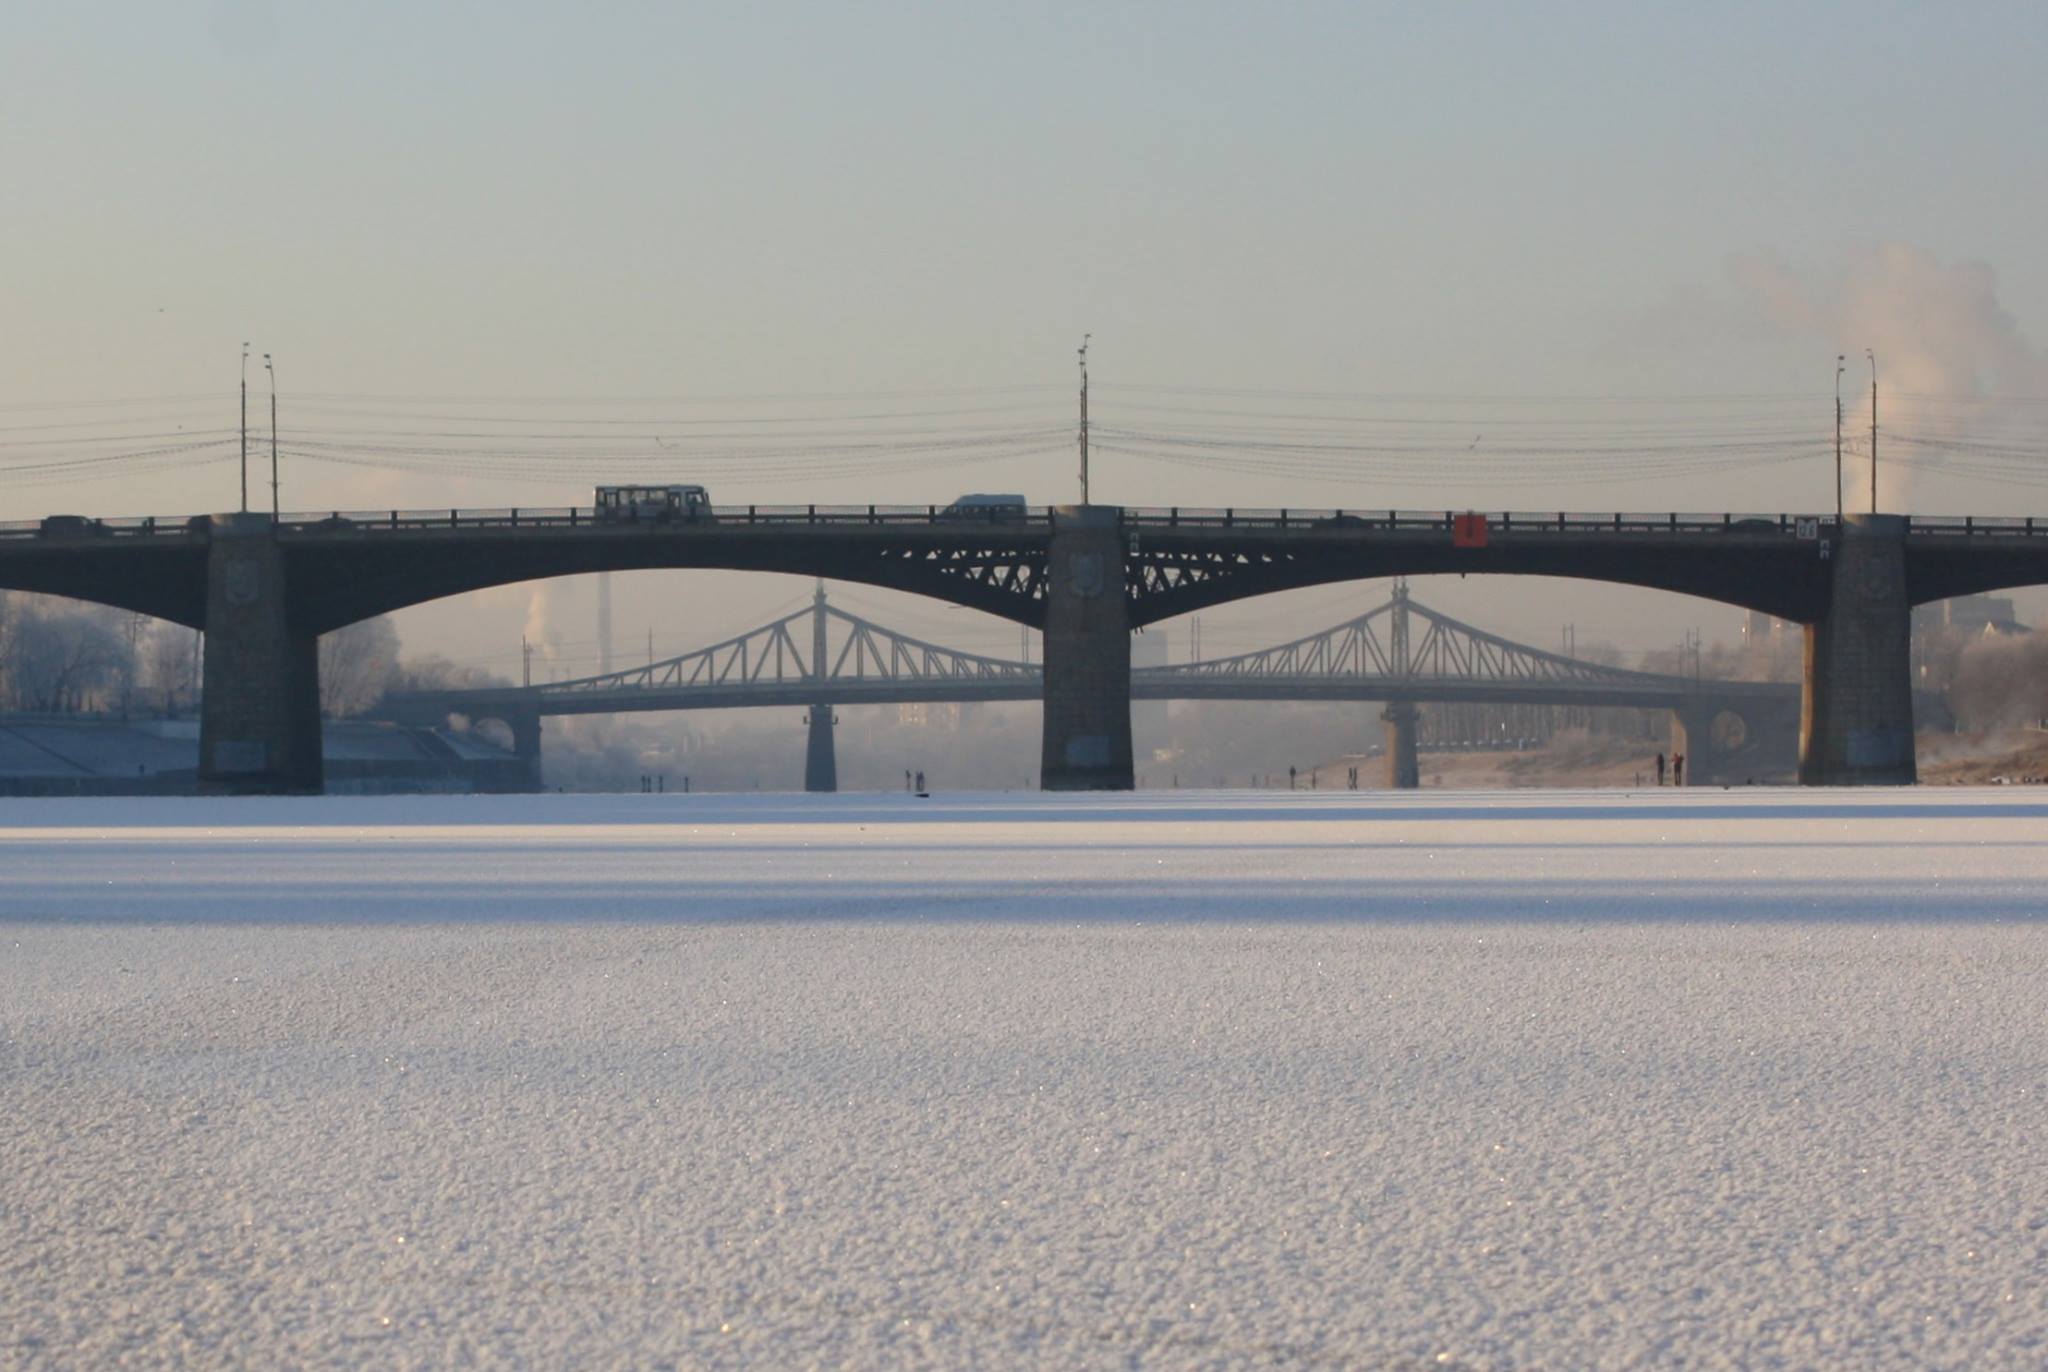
(1331, 438)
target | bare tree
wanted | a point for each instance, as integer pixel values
(436, 673)
(356, 666)
(2001, 682)
(168, 666)
(62, 658)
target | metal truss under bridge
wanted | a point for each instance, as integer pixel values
(1399, 651)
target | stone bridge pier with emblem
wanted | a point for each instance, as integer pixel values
(1087, 738)
(1857, 722)
(259, 713)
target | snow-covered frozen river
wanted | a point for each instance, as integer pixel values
(1515, 1080)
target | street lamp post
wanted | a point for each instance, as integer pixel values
(1840, 367)
(245, 428)
(273, 436)
(1084, 418)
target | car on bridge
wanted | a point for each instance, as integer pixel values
(653, 504)
(985, 508)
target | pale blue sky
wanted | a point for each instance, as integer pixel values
(517, 200)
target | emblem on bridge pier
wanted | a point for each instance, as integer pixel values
(1085, 571)
(241, 582)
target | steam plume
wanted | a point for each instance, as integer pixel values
(1937, 331)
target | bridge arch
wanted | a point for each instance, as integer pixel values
(164, 577)
(342, 575)
(1781, 577)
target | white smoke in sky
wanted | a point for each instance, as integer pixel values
(1940, 336)
(543, 631)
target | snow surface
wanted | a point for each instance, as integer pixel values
(1700, 1079)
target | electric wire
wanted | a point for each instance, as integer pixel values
(1322, 437)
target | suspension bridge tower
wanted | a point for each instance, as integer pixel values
(1404, 773)
(821, 760)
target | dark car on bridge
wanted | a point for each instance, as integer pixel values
(985, 508)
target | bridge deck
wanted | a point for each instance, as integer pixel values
(342, 522)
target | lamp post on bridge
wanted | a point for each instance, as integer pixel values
(1084, 417)
(1840, 367)
(245, 427)
(273, 437)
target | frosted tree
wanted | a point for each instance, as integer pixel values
(356, 666)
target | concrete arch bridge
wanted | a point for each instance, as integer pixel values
(1400, 653)
(264, 589)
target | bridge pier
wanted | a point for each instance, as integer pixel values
(1692, 738)
(1856, 724)
(1769, 743)
(525, 727)
(1087, 738)
(1404, 772)
(259, 711)
(821, 761)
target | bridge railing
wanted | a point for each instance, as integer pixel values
(1512, 521)
(1135, 518)
(1972, 526)
(582, 516)
(84, 527)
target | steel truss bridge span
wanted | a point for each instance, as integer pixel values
(825, 655)
(1400, 652)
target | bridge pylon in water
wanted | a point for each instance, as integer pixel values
(1856, 716)
(1086, 745)
(1404, 770)
(259, 708)
(821, 760)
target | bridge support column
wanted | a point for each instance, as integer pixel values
(259, 712)
(1692, 738)
(525, 727)
(1856, 726)
(1404, 772)
(1087, 739)
(821, 762)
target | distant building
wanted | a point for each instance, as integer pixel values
(936, 714)
(1939, 625)
(1969, 614)
(1759, 628)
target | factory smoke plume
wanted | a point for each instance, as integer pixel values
(1940, 335)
